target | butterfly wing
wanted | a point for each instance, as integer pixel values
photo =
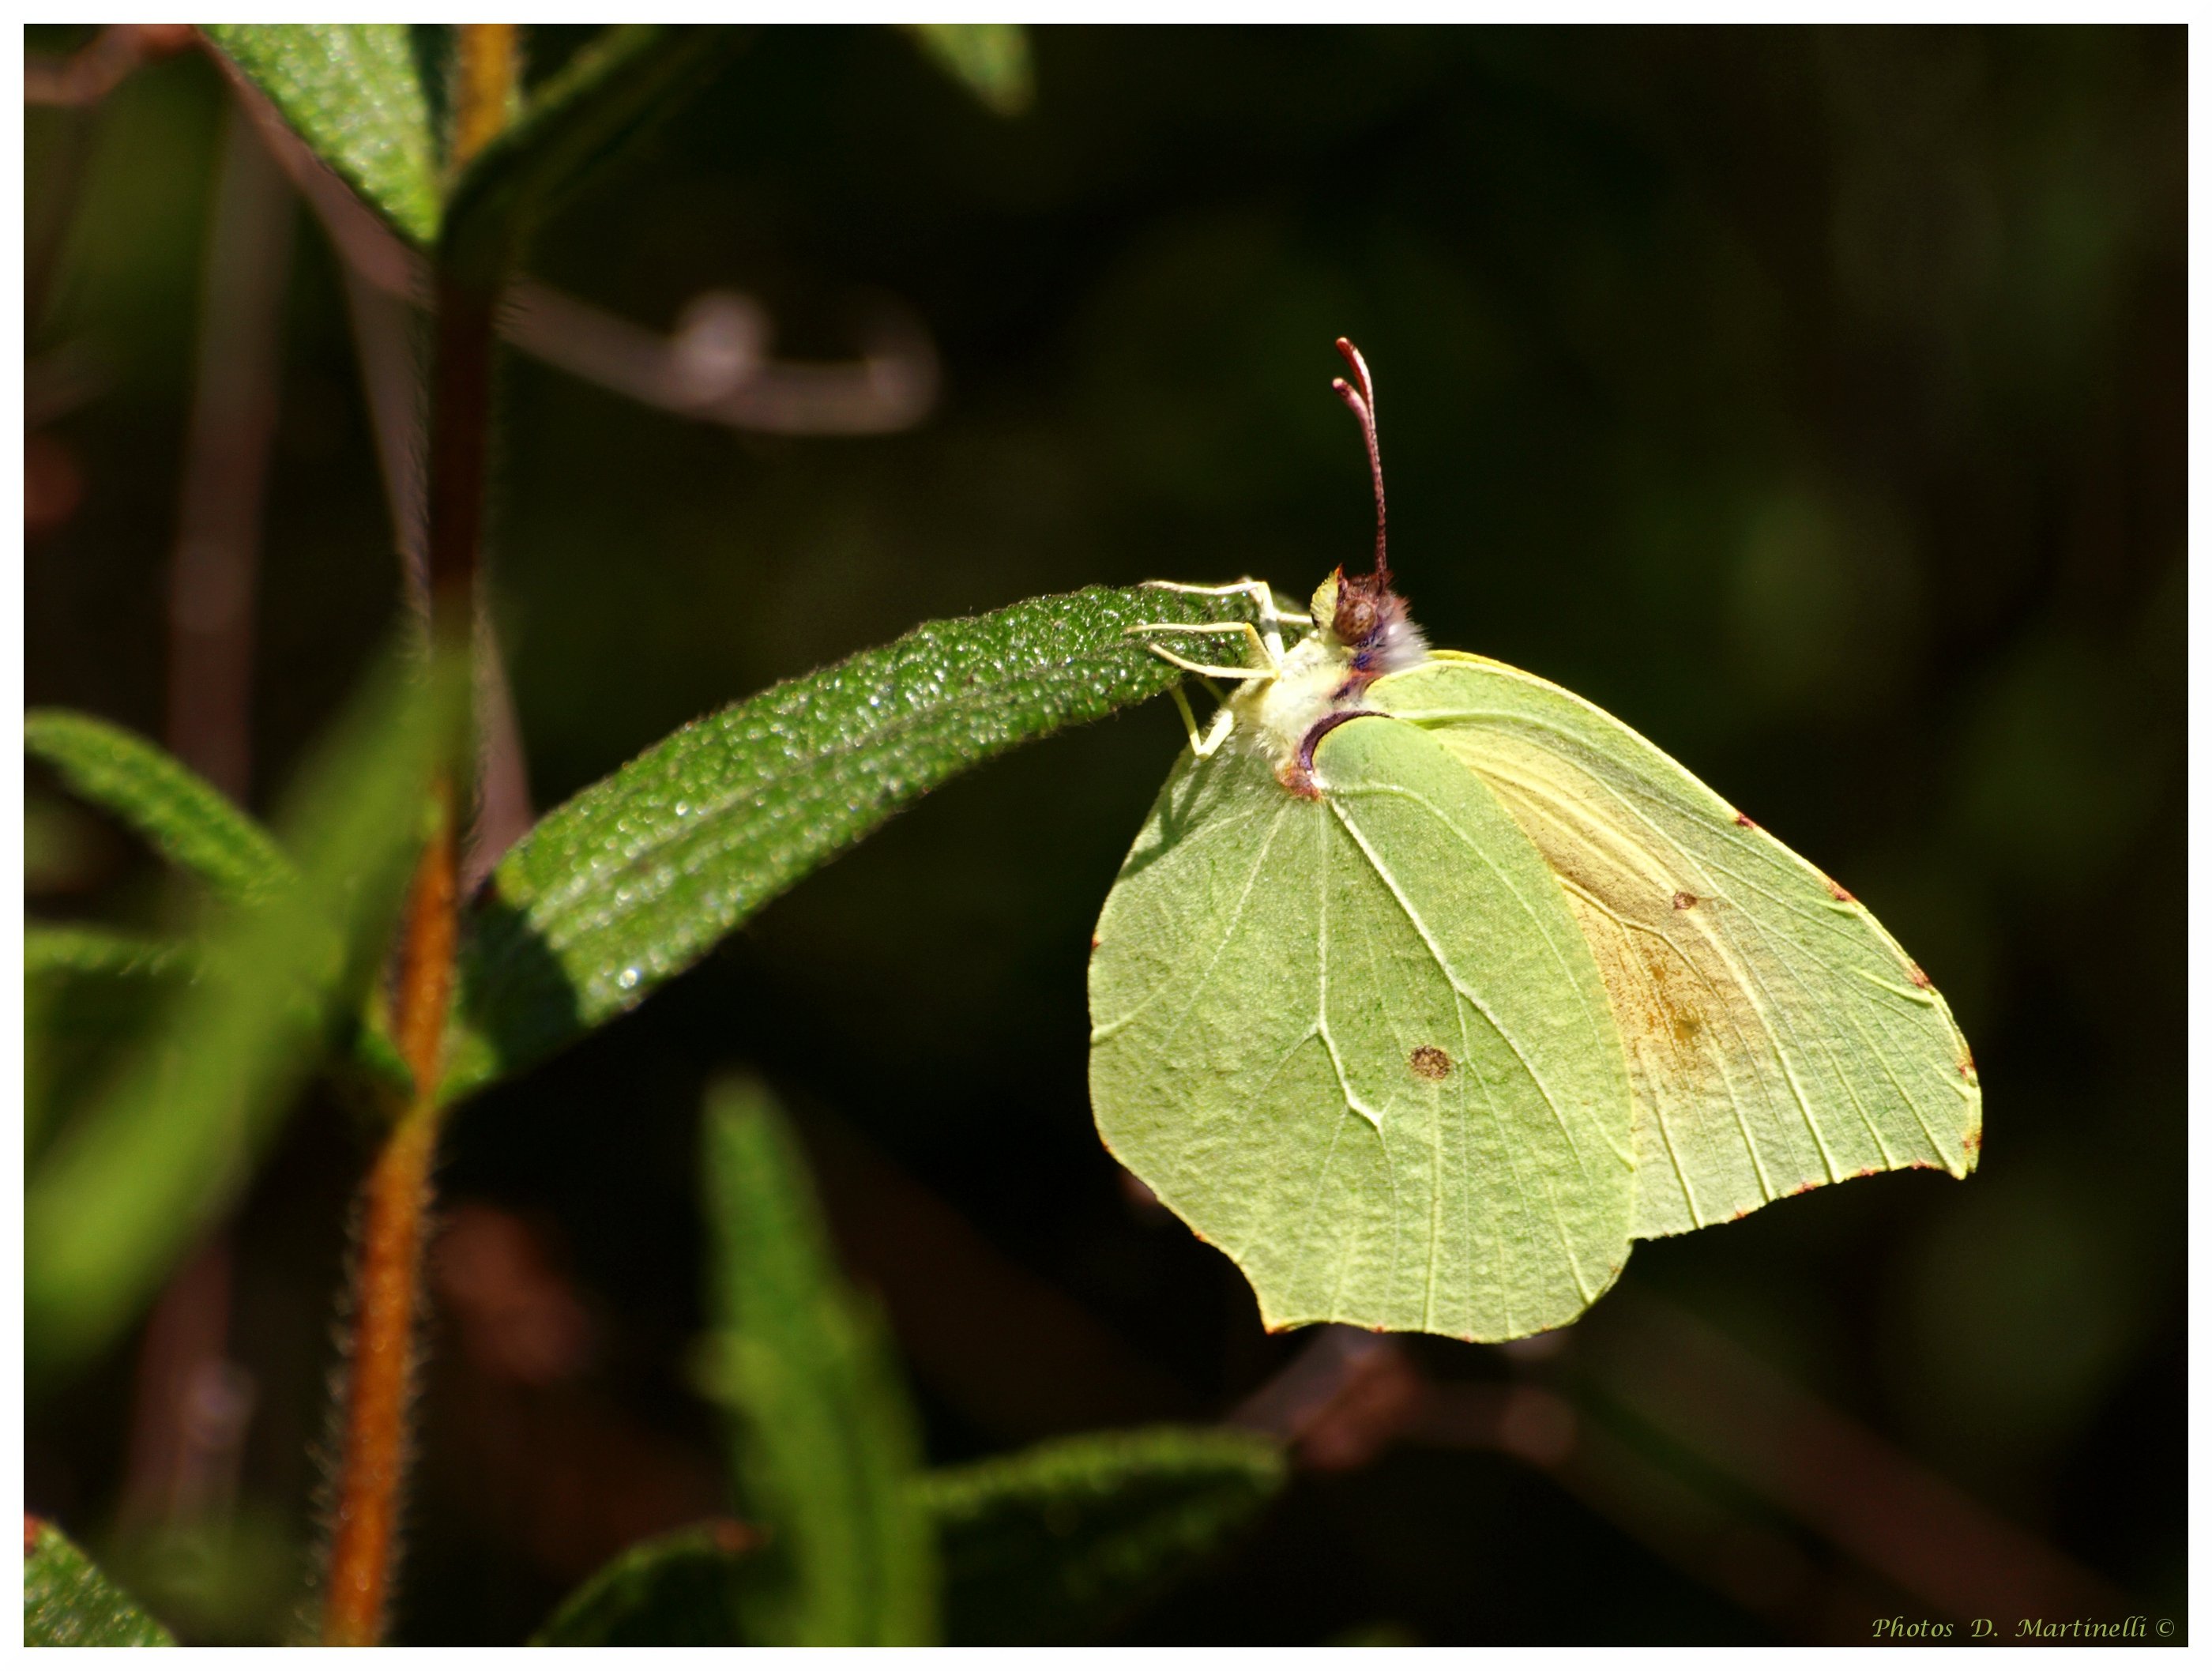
(1777, 1037)
(1359, 1043)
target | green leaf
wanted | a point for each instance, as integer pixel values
(355, 93)
(88, 991)
(1055, 1544)
(83, 988)
(633, 880)
(186, 818)
(171, 1140)
(1051, 1544)
(603, 98)
(991, 60)
(825, 1443)
(68, 1603)
(695, 1588)
(52, 951)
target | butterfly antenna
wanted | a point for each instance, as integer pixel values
(1362, 402)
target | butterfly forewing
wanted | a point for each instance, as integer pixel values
(1777, 1037)
(1359, 1042)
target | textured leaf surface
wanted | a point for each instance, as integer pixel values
(823, 1441)
(1052, 1544)
(186, 818)
(355, 93)
(991, 60)
(169, 1141)
(68, 1603)
(1777, 1037)
(1359, 1043)
(635, 878)
(690, 1589)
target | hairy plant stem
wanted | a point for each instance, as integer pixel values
(387, 1274)
(387, 1279)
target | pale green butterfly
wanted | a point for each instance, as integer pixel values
(1428, 987)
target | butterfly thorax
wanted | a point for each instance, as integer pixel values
(1362, 630)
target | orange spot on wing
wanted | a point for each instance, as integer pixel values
(1839, 890)
(1744, 819)
(1919, 977)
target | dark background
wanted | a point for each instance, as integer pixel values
(1813, 401)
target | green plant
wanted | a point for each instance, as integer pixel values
(69, 1603)
(311, 949)
(258, 970)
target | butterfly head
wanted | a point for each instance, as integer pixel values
(1370, 623)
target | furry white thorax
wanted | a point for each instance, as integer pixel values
(1398, 645)
(1273, 717)
(1320, 675)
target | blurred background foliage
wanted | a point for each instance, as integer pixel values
(1813, 400)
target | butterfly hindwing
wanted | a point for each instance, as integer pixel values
(1777, 1037)
(1359, 1042)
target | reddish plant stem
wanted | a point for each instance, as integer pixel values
(388, 1283)
(388, 1279)
(460, 409)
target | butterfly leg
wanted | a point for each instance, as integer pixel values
(1270, 650)
(1242, 675)
(1268, 647)
(1272, 616)
(1217, 732)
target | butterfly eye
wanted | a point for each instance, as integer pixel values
(1355, 618)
